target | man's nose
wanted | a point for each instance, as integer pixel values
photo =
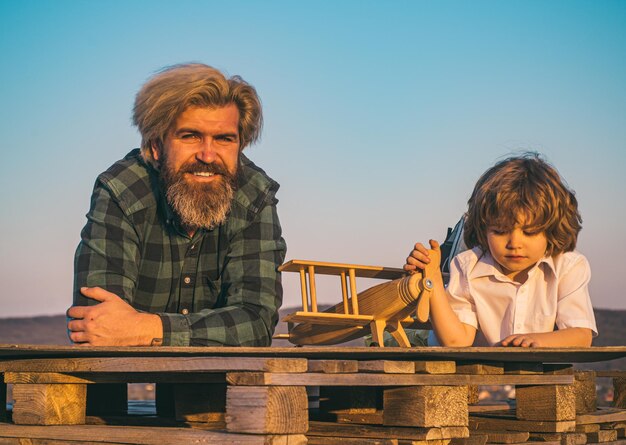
(207, 152)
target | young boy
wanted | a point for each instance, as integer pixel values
(521, 277)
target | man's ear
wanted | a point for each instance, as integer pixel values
(155, 149)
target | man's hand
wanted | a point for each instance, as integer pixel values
(113, 322)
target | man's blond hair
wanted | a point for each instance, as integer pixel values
(174, 89)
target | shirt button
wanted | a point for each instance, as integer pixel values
(184, 311)
(187, 280)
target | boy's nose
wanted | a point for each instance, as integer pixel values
(515, 239)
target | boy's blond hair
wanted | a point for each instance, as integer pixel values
(523, 186)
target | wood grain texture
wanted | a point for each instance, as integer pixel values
(387, 366)
(363, 379)
(114, 377)
(10, 353)
(426, 406)
(474, 439)
(157, 364)
(108, 434)
(390, 432)
(602, 415)
(435, 367)
(463, 367)
(267, 410)
(619, 392)
(563, 438)
(585, 391)
(602, 436)
(551, 402)
(334, 366)
(507, 421)
(506, 437)
(41, 404)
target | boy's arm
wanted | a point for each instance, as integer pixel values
(562, 338)
(449, 329)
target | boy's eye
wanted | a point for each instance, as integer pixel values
(498, 231)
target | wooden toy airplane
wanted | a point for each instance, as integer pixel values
(387, 306)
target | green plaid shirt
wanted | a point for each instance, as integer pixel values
(219, 286)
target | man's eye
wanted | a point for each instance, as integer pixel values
(226, 140)
(188, 136)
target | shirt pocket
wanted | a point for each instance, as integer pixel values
(542, 323)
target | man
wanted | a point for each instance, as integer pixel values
(182, 241)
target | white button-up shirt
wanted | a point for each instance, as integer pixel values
(555, 294)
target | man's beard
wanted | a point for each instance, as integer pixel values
(199, 204)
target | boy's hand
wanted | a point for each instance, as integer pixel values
(417, 259)
(522, 341)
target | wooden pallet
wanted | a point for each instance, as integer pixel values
(80, 397)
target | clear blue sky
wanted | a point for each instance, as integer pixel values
(380, 116)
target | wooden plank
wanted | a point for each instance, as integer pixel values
(321, 440)
(387, 366)
(334, 366)
(602, 415)
(489, 354)
(472, 394)
(562, 438)
(327, 318)
(117, 377)
(507, 421)
(435, 367)
(326, 268)
(474, 439)
(585, 391)
(551, 402)
(602, 436)
(486, 407)
(615, 442)
(363, 379)
(267, 410)
(41, 404)
(371, 431)
(370, 418)
(611, 373)
(619, 392)
(587, 427)
(506, 437)
(479, 368)
(143, 435)
(157, 364)
(426, 406)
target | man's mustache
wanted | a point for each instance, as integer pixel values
(201, 167)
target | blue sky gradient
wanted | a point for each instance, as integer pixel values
(379, 118)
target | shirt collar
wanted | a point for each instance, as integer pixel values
(486, 266)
